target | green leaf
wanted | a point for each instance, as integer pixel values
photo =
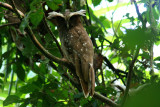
(1, 81)
(108, 74)
(61, 69)
(1, 75)
(117, 26)
(110, 0)
(145, 55)
(96, 2)
(53, 4)
(28, 88)
(157, 58)
(155, 13)
(78, 95)
(11, 99)
(18, 69)
(115, 60)
(157, 65)
(35, 4)
(24, 22)
(36, 17)
(105, 21)
(1, 13)
(30, 48)
(8, 54)
(101, 89)
(144, 96)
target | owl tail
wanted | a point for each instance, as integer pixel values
(88, 87)
(86, 75)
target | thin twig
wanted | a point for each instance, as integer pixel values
(117, 71)
(88, 12)
(103, 82)
(137, 10)
(139, 15)
(9, 7)
(15, 9)
(9, 24)
(52, 35)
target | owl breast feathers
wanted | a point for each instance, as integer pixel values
(77, 46)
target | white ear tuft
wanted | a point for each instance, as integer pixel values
(54, 14)
(80, 13)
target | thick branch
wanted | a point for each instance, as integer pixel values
(96, 95)
(45, 52)
(105, 99)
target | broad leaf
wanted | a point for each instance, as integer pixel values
(36, 17)
(11, 99)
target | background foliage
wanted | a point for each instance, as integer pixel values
(124, 54)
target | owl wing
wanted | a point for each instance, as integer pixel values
(83, 53)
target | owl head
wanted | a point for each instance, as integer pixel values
(66, 16)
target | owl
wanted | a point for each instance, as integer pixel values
(76, 46)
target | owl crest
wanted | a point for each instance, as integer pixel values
(67, 15)
(76, 46)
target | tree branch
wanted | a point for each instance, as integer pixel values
(46, 53)
(66, 76)
(9, 24)
(88, 12)
(9, 7)
(131, 65)
(36, 42)
(16, 10)
(117, 71)
(96, 95)
(52, 35)
(139, 15)
(105, 100)
(154, 32)
(55, 59)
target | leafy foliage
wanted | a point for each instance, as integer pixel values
(29, 78)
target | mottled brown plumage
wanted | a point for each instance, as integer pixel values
(77, 46)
